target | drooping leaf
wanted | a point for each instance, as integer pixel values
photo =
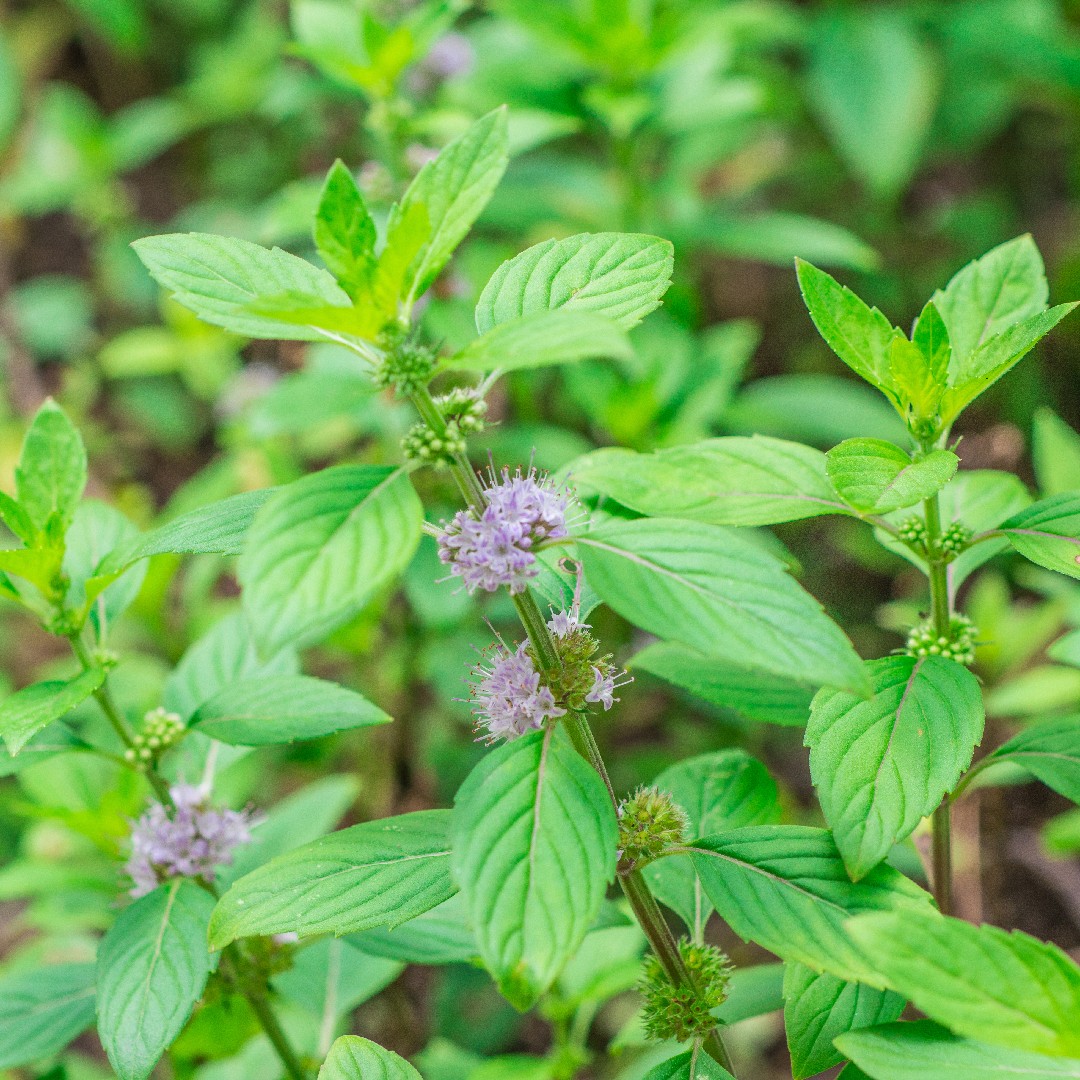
(712, 590)
(24, 713)
(322, 546)
(534, 839)
(769, 699)
(724, 790)
(152, 966)
(692, 1065)
(819, 1007)
(267, 710)
(621, 276)
(1050, 751)
(344, 231)
(42, 1010)
(1048, 533)
(881, 765)
(923, 1051)
(858, 334)
(548, 337)
(726, 481)
(985, 983)
(877, 477)
(221, 278)
(452, 190)
(353, 1058)
(379, 873)
(785, 887)
(51, 472)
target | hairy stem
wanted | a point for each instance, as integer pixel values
(941, 614)
(642, 902)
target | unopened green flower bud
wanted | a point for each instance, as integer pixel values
(958, 644)
(684, 1012)
(650, 822)
(407, 366)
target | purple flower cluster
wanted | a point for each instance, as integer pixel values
(188, 839)
(508, 697)
(497, 546)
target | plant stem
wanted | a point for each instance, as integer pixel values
(263, 1011)
(941, 615)
(642, 902)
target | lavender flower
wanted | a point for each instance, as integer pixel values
(497, 546)
(189, 839)
(603, 689)
(508, 697)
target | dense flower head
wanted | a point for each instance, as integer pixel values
(188, 839)
(497, 546)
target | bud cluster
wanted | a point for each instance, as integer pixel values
(650, 822)
(958, 644)
(465, 408)
(955, 539)
(422, 443)
(160, 730)
(684, 1012)
(913, 533)
(407, 366)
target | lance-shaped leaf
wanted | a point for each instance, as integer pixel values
(548, 337)
(621, 276)
(282, 708)
(42, 1010)
(716, 592)
(768, 699)
(451, 190)
(819, 1007)
(728, 481)
(1004, 988)
(693, 1065)
(24, 713)
(924, 1051)
(152, 966)
(51, 472)
(786, 887)
(379, 873)
(1050, 751)
(320, 548)
(858, 334)
(353, 1058)
(534, 850)
(1048, 533)
(725, 790)
(439, 936)
(344, 231)
(877, 477)
(882, 765)
(223, 280)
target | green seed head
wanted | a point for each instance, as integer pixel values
(650, 822)
(684, 1012)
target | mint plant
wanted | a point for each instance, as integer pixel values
(519, 873)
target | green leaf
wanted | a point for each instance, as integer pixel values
(881, 765)
(712, 590)
(379, 873)
(693, 1065)
(97, 530)
(1055, 448)
(51, 472)
(24, 713)
(219, 278)
(874, 81)
(991, 294)
(994, 357)
(818, 1008)
(786, 888)
(353, 1058)
(152, 966)
(16, 518)
(548, 337)
(1050, 751)
(322, 546)
(924, 1051)
(42, 1010)
(331, 976)
(344, 231)
(727, 481)
(1048, 533)
(452, 190)
(858, 334)
(534, 839)
(985, 983)
(621, 276)
(877, 477)
(752, 991)
(724, 790)
(268, 710)
(439, 936)
(768, 699)
(931, 337)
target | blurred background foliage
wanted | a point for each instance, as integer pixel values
(890, 142)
